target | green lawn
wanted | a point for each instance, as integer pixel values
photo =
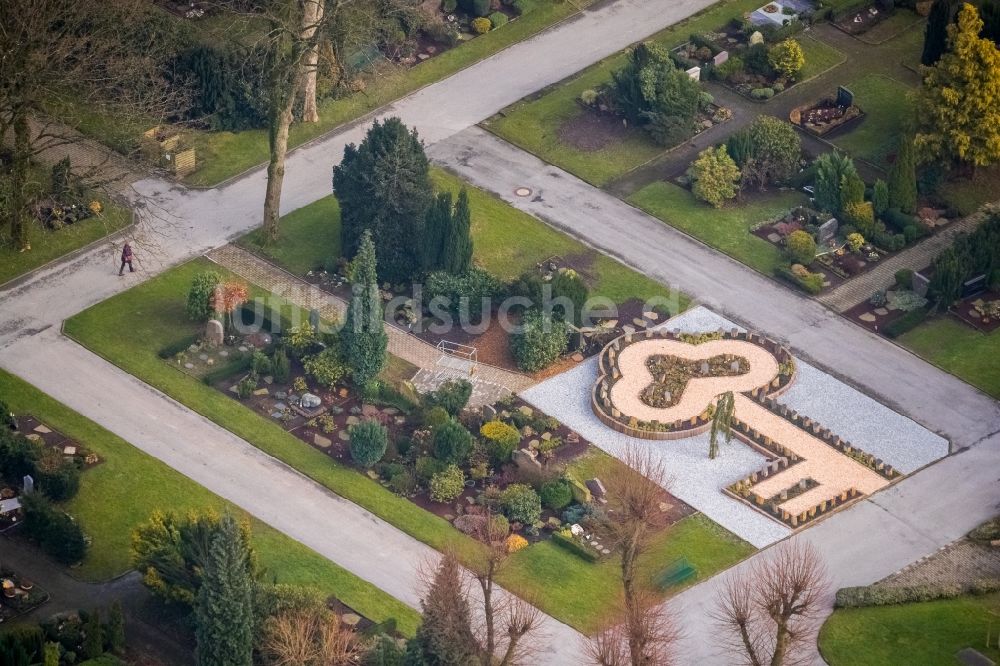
(967, 194)
(726, 229)
(507, 243)
(900, 21)
(919, 634)
(886, 104)
(129, 485)
(962, 351)
(48, 245)
(820, 57)
(533, 123)
(222, 155)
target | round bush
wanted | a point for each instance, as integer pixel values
(520, 503)
(426, 467)
(368, 442)
(327, 367)
(481, 25)
(452, 443)
(501, 440)
(447, 484)
(801, 247)
(498, 19)
(762, 93)
(541, 341)
(556, 494)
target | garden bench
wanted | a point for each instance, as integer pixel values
(680, 571)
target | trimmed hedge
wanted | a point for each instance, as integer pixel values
(813, 284)
(238, 366)
(906, 323)
(177, 347)
(574, 546)
(878, 595)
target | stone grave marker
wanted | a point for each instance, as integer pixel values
(214, 333)
(314, 319)
(919, 284)
(28, 484)
(720, 57)
(845, 98)
(827, 231)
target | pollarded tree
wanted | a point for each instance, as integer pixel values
(384, 187)
(224, 613)
(959, 102)
(363, 338)
(903, 178)
(936, 33)
(787, 58)
(715, 176)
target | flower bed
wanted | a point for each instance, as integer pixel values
(18, 595)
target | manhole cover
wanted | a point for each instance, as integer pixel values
(523, 192)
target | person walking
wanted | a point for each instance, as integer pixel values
(126, 259)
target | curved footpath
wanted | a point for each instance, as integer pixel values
(863, 544)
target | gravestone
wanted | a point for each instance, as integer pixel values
(720, 57)
(827, 231)
(314, 319)
(919, 284)
(756, 38)
(214, 333)
(525, 459)
(596, 489)
(28, 484)
(845, 98)
(694, 73)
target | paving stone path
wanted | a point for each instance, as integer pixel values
(489, 381)
(959, 563)
(883, 276)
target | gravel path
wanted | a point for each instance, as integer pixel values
(697, 480)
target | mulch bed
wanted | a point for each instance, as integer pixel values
(34, 429)
(590, 131)
(864, 307)
(966, 313)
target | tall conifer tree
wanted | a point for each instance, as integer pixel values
(224, 609)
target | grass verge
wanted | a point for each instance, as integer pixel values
(960, 350)
(49, 245)
(726, 229)
(508, 242)
(129, 485)
(920, 634)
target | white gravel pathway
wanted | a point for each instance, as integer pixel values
(697, 480)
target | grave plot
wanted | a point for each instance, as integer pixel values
(804, 444)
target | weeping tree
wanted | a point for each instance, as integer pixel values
(722, 420)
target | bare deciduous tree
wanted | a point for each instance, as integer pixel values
(649, 631)
(513, 616)
(79, 58)
(635, 490)
(770, 610)
(308, 637)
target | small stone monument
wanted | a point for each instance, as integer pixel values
(845, 98)
(720, 57)
(525, 459)
(597, 490)
(694, 73)
(28, 484)
(756, 38)
(919, 284)
(214, 333)
(314, 319)
(827, 231)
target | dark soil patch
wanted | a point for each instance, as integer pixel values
(589, 131)
(34, 429)
(966, 311)
(863, 20)
(880, 322)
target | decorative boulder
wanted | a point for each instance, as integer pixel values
(310, 401)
